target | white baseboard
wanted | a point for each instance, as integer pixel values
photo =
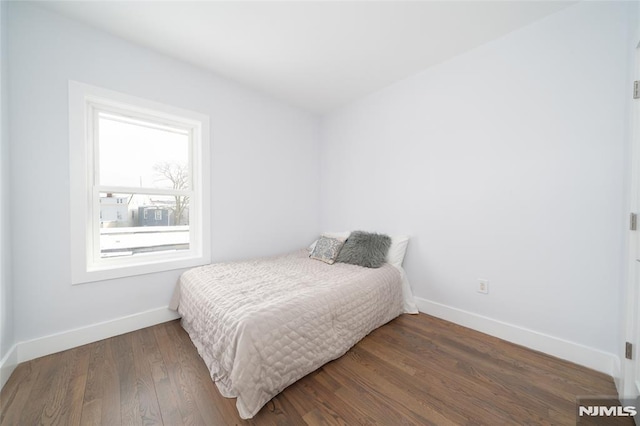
(574, 352)
(577, 353)
(92, 333)
(8, 364)
(617, 377)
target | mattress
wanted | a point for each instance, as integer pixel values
(260, 325)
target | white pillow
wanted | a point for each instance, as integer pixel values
(398, 248)
(395, 257)
(344, 235)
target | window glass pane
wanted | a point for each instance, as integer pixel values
(132, 224)
(138, 153)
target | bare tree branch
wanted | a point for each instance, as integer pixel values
(178, 175)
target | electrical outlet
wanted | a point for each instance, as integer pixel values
(483, 286)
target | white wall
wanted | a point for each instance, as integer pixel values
(628, 317)
(265, 172)
(6, 285)
(505, 163)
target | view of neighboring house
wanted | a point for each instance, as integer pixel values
(139, 224)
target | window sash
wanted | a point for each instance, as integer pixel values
(96, 260)
(96, 108)
(95, 111)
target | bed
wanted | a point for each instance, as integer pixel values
(261, 325)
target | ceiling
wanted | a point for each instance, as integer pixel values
(317, 55)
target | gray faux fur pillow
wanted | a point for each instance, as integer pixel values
(365, 249)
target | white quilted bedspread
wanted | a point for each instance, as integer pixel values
(261, 325)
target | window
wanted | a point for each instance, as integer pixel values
(139, 185)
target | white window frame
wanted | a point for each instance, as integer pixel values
(86, 263)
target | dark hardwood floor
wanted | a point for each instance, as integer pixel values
(416, 370)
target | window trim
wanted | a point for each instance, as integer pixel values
(85, 201)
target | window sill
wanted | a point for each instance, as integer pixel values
(108, 272)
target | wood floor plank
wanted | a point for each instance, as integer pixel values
(470, 349)
(469, 393)
(312, 395)
(315, 388)
(321, 376)
(182, 390)
(402, 392)
(195, 384)
(471, 382)
(508, 353)
(49, 368)
(148, 407)
(77, 385)
(359, 386)
(279, 411)
(111, 400)
(167, 400)
(58, 407)
(15, 394)
(92, 401)
(125, 370)
(416, 370)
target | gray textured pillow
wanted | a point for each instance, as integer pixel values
(365, 249)
(327, 249)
